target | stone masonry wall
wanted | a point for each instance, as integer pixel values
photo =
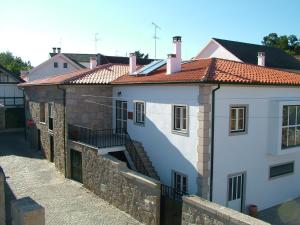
(34, 96)
(110, 179)
(198, 211)
(2, 197)
(89, 105)
(204, 139)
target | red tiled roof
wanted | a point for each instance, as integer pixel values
(103, 74)
(216, 71)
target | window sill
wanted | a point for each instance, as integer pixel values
(281, 176)
(43, 123)
(236, 133)
(182, 133)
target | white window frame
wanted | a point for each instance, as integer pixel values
(294, 126)
(44, 113)
(65, 65)
(282, 175)
(143, 115)
(181, 175)
(236, 130)
(180, 130)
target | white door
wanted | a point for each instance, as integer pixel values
(236, 191)
(121, 116)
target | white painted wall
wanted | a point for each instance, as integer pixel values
(167, 151)
(217, 51)
(47, 68)
(251, 152)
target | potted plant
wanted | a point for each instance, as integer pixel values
(253, 210)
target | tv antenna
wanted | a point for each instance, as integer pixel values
(96, 39)
(155, 37)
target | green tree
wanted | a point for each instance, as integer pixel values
(140, 55)
(13, 63)
(290, 44)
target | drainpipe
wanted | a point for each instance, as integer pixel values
(212, 142)
(64, 104)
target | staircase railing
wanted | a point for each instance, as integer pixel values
(105, 139)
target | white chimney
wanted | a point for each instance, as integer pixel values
(261, 59)
(58, 50)
(54, 50)
(132, 63)
(93, 62)
(174, 60)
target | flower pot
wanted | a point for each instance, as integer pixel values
(253, 210)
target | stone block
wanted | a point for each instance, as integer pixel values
(26, 211)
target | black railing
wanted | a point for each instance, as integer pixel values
(11, 101)
(98, 138)
(172, 193)
(108, 138)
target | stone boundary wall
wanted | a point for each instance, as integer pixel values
(198, 211)
(109, 178)
(2, 198)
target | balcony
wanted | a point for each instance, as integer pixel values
(109, 139)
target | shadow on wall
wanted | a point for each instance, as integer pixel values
(9, 197)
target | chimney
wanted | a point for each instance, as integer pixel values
(261, 58)
(132, 63)
(93, 62)
(174, 60)
(54, 50)
(58, 50)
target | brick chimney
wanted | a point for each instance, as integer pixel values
(132, 63)
(261, 58)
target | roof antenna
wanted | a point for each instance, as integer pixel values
(155, 37)
(96, 39)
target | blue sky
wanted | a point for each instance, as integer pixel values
(31, 28)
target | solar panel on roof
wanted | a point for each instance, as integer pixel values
(151, 67)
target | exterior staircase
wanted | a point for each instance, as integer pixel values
(145, 160)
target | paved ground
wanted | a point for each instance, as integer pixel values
(284, 214)
(66, 202)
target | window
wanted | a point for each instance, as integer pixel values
(282, 169)
(42, 112)
(238, 119)
(50, 115)
(290, 126)
(139, 112)
(180, 182)
(55, 65)
(180, 118)
(65, 65)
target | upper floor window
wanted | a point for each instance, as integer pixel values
(180, 119)
(290, 126)
(139, 112)
(65, 65)
(238, 119)
(42, 112)
(50, 115)
(180, 182)
(55, 64)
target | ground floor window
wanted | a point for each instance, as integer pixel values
(282, 169)
(180, 182)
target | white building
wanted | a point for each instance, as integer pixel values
(225, 130)
(11, 101)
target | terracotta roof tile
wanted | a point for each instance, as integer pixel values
(216, 71)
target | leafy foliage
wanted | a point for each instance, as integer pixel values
(13, 63)
(290, 44)
(140, 55)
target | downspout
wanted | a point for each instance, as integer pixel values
(64, 129)
(212, 142)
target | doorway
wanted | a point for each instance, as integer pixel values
(51, 148)
(39, 140)
(121, 116)
(76, 165)
(236, 191)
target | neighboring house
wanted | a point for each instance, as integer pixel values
(11, 101)
(248, 53)
(221, 129)
(60, 63)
